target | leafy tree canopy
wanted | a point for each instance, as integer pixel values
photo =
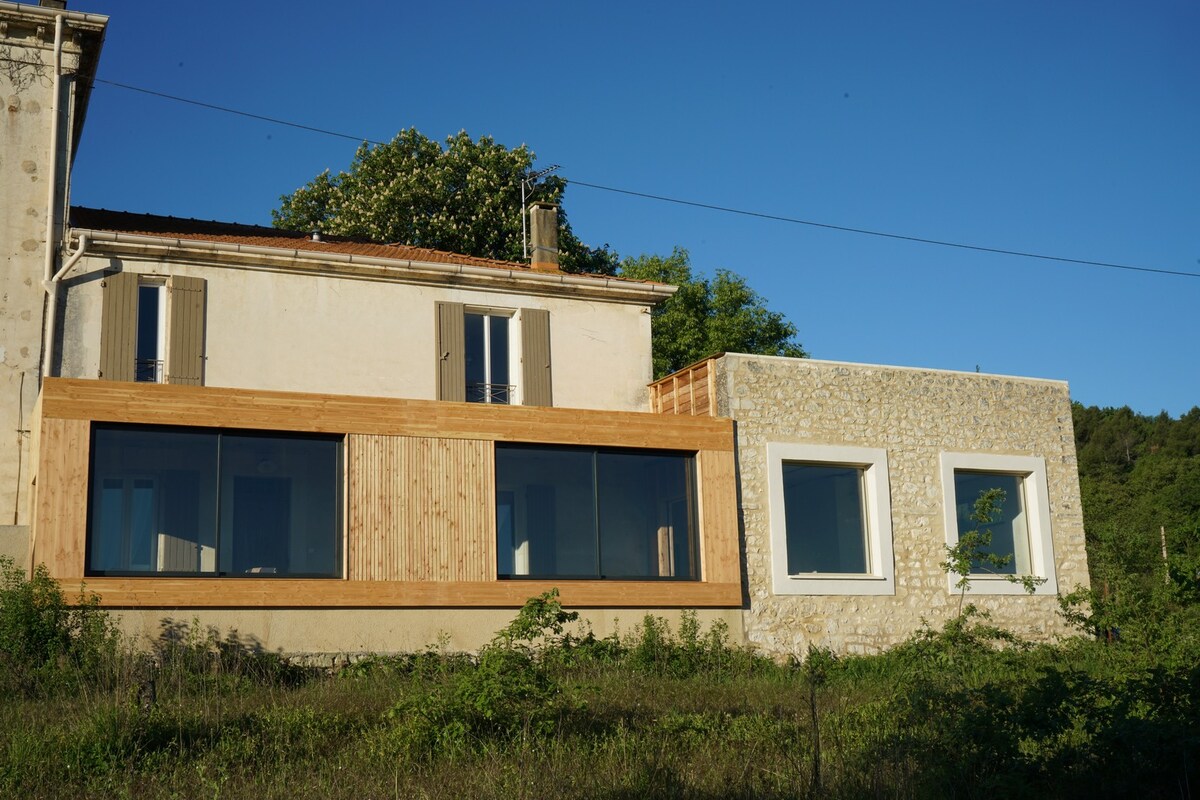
(709, 316)
(464, 197)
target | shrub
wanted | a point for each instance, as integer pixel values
(43, 640)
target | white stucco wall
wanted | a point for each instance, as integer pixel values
(313, 333)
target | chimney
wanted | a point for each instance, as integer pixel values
(543, 224)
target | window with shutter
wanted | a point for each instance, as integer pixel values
(151, 330)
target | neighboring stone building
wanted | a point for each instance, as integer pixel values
(330, 444)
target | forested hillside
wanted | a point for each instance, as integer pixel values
(1140, 479)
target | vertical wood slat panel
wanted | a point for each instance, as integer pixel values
(451, 352)
(185, 348)
(118, 327)
(536, 388)
(421, 509)
(61, 512)
(718, 515)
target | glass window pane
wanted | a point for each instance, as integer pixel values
(154, 503)
(147, 341)
(475, 360)
(153, 500)
(826, 519)
(280, 505)
(1010, 530)
(645, 515)
(551, 491)
(498, 374)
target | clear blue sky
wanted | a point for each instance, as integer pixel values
(1065, 128)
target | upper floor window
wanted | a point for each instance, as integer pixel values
(493, 355)
(488, 356)
(831, 526)
(152, 328)
(151, 343)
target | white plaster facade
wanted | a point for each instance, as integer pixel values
(322, 330)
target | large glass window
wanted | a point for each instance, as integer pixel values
(584, 513)
(831, 520)
(487, 358)
(202, 502)
(826, 519)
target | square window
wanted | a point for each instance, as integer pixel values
(1020, 529)
(831, 529)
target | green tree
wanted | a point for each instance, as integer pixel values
(709, 316)
(464, 197)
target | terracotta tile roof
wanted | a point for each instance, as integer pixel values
(234, 233)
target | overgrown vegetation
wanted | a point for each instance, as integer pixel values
(550, 709)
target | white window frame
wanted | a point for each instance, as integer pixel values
(1032, 471)
(881, 580)
(514, 333)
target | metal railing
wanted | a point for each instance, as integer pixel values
(148, 370)
(490, 393)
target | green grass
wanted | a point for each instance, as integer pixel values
(542, 712)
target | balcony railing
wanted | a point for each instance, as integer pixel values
(490, 393)
(148, 370)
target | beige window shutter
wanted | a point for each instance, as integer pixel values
(451, 352)
(118, 326)
(185, 316)
(535, 358)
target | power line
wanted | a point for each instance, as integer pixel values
(866, 232)
(273, 120)
(693, 203)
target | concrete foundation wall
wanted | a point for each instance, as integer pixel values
(14, 544)
(347, 631)
(915, 415)
(307, 333)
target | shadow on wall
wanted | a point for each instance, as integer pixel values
(196, 649)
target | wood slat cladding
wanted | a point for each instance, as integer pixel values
(717, 477)
(421, 509)
(162, 404)
(185, 349)
(60, 517)
(690, 391)
(176, 593)
(420, 478)
(118, 326)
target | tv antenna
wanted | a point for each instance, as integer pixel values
(528, 184)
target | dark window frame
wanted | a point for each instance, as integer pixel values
(691, 497)
(220, 432)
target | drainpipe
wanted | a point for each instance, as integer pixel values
(55, 122)
(52, 287)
